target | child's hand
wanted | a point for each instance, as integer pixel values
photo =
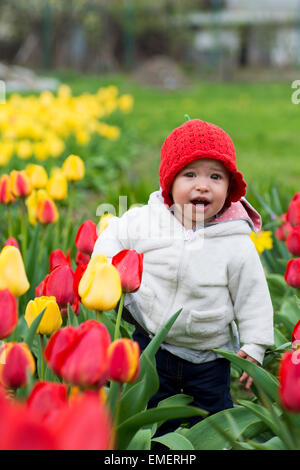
(244, 375)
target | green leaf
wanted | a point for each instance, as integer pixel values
(72, 317)
(203, 435)
(128, 428)
(175, 441)
(141, 440)
(265, 380)
(275, 443)
(136, 398)
(262, 413)
(31, 332)
(288, 314)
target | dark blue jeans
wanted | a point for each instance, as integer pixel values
(207, 383)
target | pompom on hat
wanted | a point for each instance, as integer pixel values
(196, 139)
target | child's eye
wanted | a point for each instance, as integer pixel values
(189, 174)
(216, 176)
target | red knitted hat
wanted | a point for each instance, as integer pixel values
(196, 139)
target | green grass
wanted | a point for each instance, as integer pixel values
(260, 118)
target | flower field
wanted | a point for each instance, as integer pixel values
(71, 377)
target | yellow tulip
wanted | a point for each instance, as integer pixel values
(12, 271)
(37, 175)
(100, 286)
(57, 186)
(73, 168)
(51, 320)
(24, 149)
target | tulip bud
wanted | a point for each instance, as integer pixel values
(69, 352)
(20, 183)
(292, 273)
(59, 284)
(8, 313)
(283, 230)
(12, 271)
(11, 241)
(84, 414)
(293, 213)
(289, 377)
(57, 186)
(51, 320)
(82, 258)
(129, 264)
(86, 237)
(6, 195)
(100, 286)
(293, 241)
(46, 211)
(73, 168)
(47, 400)
(37, 175)
(124, 360)
(77, 276)
(57, 257)
(15, 362)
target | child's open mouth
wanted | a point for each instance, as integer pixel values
(200, 202)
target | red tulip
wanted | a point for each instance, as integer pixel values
(289, 378)
(77, 277)
(46, 211)
(86, 237)
(129, 264)
(296, 336)
(124, 360)
(284, 229)
(11, 241)
(293, 213)
(80, 355)
(40, 289)
(82, 257)
(57, 257)
(16, 361)
(60, 284)
(6, 195)
(292, 273)
(8, 313)
(47, 400)
(293, 241)
(58, 343)
(85, 425)
(21, 430)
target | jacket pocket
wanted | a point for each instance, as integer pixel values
(206, 323)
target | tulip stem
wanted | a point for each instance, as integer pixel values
(119, 315)
(9, 222)
(23, 230)
(99, 315)
(69, 214)
(114, 399)
(42, 243)
(42, 357)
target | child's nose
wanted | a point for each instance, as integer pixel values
(201, 183)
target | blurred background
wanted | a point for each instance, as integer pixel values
(231, 62)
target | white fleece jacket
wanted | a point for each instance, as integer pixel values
(214, 274)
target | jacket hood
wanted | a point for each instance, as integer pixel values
(237, 212)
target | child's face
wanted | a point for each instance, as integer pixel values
(199, 191)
